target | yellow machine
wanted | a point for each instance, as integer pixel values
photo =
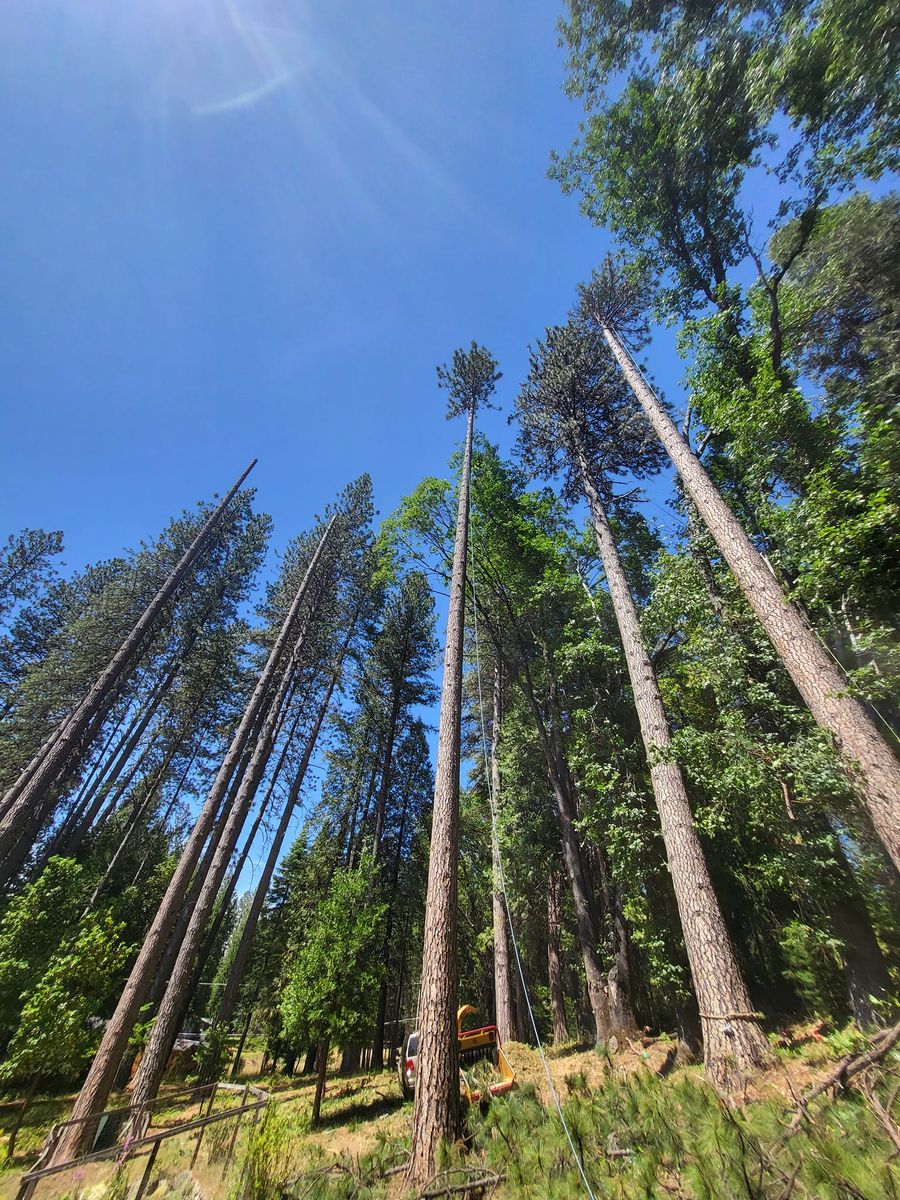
(481, 1046)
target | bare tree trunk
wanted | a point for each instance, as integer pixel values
(732, 1039)
(165, 1027)
(395, 1038)
(143, 808)
(235, 1071)
(619, 991)
(437, 1111)
(554, 963)
(96, 1088)
(20, 1117)
(523, 1031)
(585, 918)
(865, 969)
(386, 774)
(359, 819)
(29, 793)
(378, 1040)
(77, 835)
(872, 764)
(228, 1000)
(320, 1081)
(225, 896)
(504, 1014)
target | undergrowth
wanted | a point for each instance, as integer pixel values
(643, 1138)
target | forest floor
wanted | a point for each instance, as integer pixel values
(365, 1121)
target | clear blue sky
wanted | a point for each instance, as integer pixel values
(253, 227)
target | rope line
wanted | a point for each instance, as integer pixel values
(512, 931)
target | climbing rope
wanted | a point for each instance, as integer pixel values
(512, 930)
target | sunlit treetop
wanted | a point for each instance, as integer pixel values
(470, 380)
(576, 403)
(617, 295)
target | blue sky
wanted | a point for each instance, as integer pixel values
(238, 228)
(253, 227)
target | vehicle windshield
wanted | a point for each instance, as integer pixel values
(412, 1046)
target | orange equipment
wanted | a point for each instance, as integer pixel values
(481, 1045)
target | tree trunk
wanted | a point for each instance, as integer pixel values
(386, 773)
(732, 1039)
(619, 992)
(29, 793)
(554, 963)
(865, 968)
(378, 1040)
(522, 1028)
(504, 1014)
(320, 1081)
(395, 1038)
(143, 808)
(95, 1090)
(76, 836)
(226, 894)
(437, 1111)
(235, 1071)
(350, 1060)
(585, 918)
(871, 763)
(230, 992)
(866, 972)
(20, 1117)
(165, 1027)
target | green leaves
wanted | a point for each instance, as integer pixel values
(58, 1031)
(334, 970)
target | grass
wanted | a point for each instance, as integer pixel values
(640, 1136)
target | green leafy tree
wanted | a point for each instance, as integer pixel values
(32, 927)
(332, 981)
(56, 1035)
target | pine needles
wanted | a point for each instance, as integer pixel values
(645, 1138)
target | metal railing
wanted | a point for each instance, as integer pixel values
(115, 1120)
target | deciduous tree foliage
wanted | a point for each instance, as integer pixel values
(331, 984)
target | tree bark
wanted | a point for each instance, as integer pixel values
(20, 1117)
(871, 763)
(561, 786)
(76, 836)
(619, 991)
(585, 917)
(165, 1027)
(733, 1042)
(868, 981)
(554, 963)
(504, 1014)
(320, 1081)
(29, 792)
(143, 808)
(228, 1000)
(437, 1110)
(386, 773)
(378, 1040)
(235, 1071)
(96, 1088)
